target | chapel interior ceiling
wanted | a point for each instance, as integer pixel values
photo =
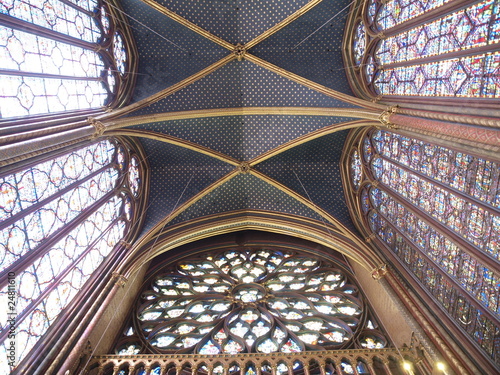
(292, 157)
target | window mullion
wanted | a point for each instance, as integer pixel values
(46, 75)
(445, 56)
(22, 25)
(47, 244)
(426, 17)
(478, 254)
(57, 280)
(463, 195)
(436, 266)
(56, 195)
(77, 7)
(452, 311)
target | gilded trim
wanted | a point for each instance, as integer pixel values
(168, 91)
(266, 34)
(174, 141)
(246, 220)
(361, 113)
(191, 26)
(313, 85)
(310, 136)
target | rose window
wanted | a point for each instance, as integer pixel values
(250, 301)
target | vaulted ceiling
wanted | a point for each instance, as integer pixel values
(229, 151)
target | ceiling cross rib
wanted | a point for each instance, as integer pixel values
(191, 26)
(174, 141)
(208, 35)
(359, 113)
(238, 52)
(166, 92)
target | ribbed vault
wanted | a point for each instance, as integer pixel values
(242, 106)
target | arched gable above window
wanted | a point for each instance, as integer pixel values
(252, 300)
(61, 219)
(435, 212)
(426, 51)
(63, 56)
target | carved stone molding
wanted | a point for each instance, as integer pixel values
(239, 51)
(385, 117)
(99, 127)
(120, 280)
(244, 167)
(312, 359)
(379, 272)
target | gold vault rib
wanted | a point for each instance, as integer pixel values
(243, 111)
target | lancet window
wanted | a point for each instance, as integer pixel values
(428, 49)
(61, 55)
(250, 301)
(60, 219)
(437, 211)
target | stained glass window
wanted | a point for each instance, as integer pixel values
(359, 43)
(437, 210)
(395, 12)
(258, 300)
(60, 218)
(67, 59)
(454, 54)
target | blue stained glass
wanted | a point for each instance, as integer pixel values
(53, 195)
(412, 232)
(260, 314)
(461, 30)
(359, 43)
(395, 12)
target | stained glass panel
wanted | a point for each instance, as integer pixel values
(120, 53)
(356, 169)
(461, 30)
(427, 192)
(29, 186)
(35, 54)
(449, 256)
(473, 320)
(470, 76)
(459, 48)
(55, 210)
(473, 176)
(287, 293)
(24, 95)
(133, 175)
(54, 15)
(395, 12)
(359, 43)
(55, 213)
(465, 218)
(47, 63)
(42, 273)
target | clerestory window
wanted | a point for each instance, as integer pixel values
(436, 210)
(60, 56)
(403, 50)
(257, 300)
(60, 219)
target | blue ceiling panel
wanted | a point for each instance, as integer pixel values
(311, 46)
(242, 84)
(242, 137)
(246, 192)
(177, 174)
(168, 51)
(313, 171)
(235, 21)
